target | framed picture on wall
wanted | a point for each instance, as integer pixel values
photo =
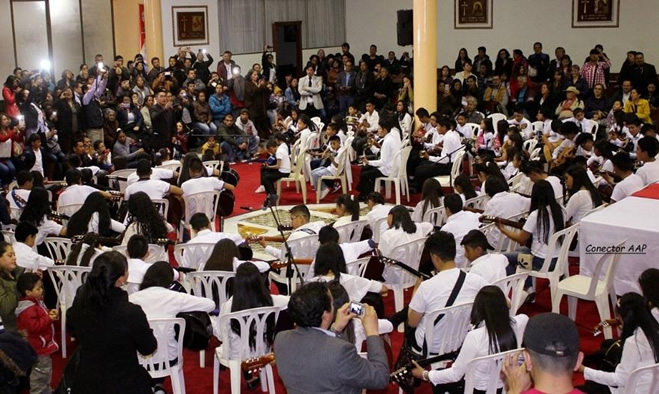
(190, 25)
(473, 14)
(595, 13)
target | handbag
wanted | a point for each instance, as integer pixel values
(66, 382)
(198, 326)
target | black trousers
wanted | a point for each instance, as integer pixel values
(367, 180)
(428, 169)
(268, 178)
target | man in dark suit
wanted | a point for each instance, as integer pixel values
(345, 85)
(643, 74)
(314, 358)
(162, 121)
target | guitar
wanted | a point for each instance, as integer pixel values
(283, 264)
(255, 364)
(564, 156)
(401, 375)
(389, 261)
(505, 222)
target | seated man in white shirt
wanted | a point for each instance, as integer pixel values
(26, 255)
(630, 183)
(76, 193)
(520, 121)
(385, 166)
(302, 227)
(442, 164)
(502, 204)
(138, 251)
(646, 150)
(163, 174)
(154, 188)
(489, 266)
(459, 223)
(18, 197)
(434, 293)
(331, 155)
(206, 238)
(535, 173)
(199, 183)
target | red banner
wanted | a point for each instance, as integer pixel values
(142, 30)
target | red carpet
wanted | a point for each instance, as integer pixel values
(200, 380)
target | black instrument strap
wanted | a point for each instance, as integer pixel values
(451, 300)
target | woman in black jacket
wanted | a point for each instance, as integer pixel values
(110, 331)
(69, 120)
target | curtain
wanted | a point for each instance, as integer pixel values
(286, 11)
(326, 23)
(242, 25)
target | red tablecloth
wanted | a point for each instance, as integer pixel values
(651, 191)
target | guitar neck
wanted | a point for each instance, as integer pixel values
(256, 363)
(284, 264)
(505, 222)
(417, 273)
(474, 210)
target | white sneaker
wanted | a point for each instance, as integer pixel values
(324, 193)
(260, 189)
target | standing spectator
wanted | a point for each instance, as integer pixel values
(382, 88)
(9, 91)
(129, 117)
(643, 74)
(627, 69)
(484, 59)
(364, 81)
(594, 70)
(256, 100)
(345, 87)
(539, 62)
(503, 64)
(556, 64)
(155, 69)
(92, 119)
(201, 66)
(269, 66)
(101, 311)
(310, 87)
(372, 58)
(225, 68)
(463, 56)
(162, 121)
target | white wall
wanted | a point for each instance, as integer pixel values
(517, 24)
(246, 60)
(213, 46)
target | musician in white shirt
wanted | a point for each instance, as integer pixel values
(302, 227)
(370, 120)
(204, 236)
(377, 211)
(520, 121)
(351, 250)
(489, 266)
(459, 223)
(163, 174)
(630, 183)
(442, 164)
(18, 197)
(646, 151)
(385, 166)
(154, 188)
(26, 255)
(433, 294)
(502, 204)
(584, 196)
(76, 193)
(536, 174)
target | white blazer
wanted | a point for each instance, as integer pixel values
(312, 91)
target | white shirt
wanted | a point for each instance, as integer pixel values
(373, 120)
(208, 236)
(16, 210)
(538, 247)
(156, 173)
(626, 187)
(504, 205)
(198, 256)
(236, 347)
(394, 237)
(282, 154)
(476, 344)
(452, 143)
(390, 146)
(459, 224)
(154, 188)
(556, 185)
(649, 172)
(466, 130)
(75, 194)
(355, 286)
(161, 303)
(310, 229)
(417, 215)
(27, 258)
(578, 206)
(46, 228)
(136, 270)
(38, 161)
(198, 185)
(490, 266)
(525, 127)
(92, 226)
(351, 252)
(432, 295)
(379, 211)
(636, 353)
(405, 123)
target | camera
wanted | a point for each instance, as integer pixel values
(357, 308)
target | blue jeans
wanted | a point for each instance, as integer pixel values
(7, 171)
(232, 152)
(316, 174)
(208, 129)
(536, 263)
(344, 102)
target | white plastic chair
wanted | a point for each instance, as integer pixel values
(590, 288)
(214, 165)
(258, 319)
(529, 145)
(351, 155)
(492, 363)
(535, 155)
(193, 255)
(158, 363)
(516, 180)
(358, 267)
(591, 127)
(538, 126)
(378, 227)
(475, 129)
(201, 202)
(351, 232)
(156, 253)
(9, 236)
(506, 244)
(58, 247)
(513, 288)
(454, 328)
(456, 169)
(66, 280)
(161, 205)
(496, 117)
(340, 175)
(296, 176)
(211, 285)
(398, 176)
(169, 166)
(410, 254)
(560, 241)
(305, 247)
(121, 184)
(436, 216)
(69, 210)
(640, 377)
(478, 202)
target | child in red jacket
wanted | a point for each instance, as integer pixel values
(35, 323)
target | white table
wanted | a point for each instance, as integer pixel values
(634, 220)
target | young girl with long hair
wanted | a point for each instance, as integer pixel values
(94, 217)
(432, 196)
(463, 186)
(347, 208)
(144, 219)
(584, 196)
(36, 211)
(494, 331)
(85, 251)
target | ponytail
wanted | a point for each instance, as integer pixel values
(351, 204)
(107, 269)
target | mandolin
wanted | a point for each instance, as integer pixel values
(255, 364)
(505, 222)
